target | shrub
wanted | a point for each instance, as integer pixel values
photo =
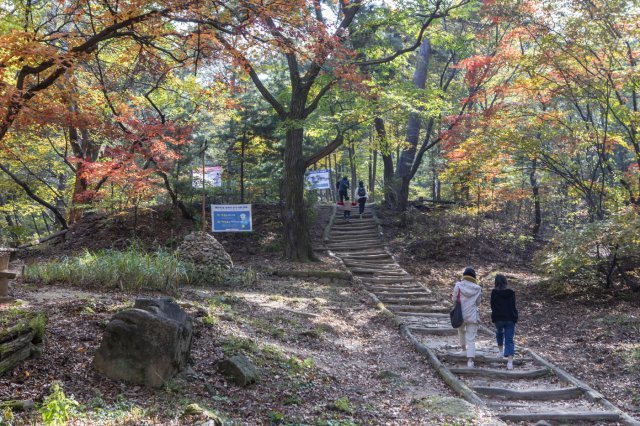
(57, 408)
(599, 254)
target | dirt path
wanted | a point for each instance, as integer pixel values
(325, 356)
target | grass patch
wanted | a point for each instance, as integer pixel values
(343, 404)
(130, 269)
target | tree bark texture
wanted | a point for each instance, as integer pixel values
(387, 161)
(297, 244)
(535, 189)
(405, 160)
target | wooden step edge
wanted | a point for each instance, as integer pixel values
(407, 308)
(566, 416)
(421, 314)
(502, 374)
(530, 394)
(405, 301)
(388, 280)
(400, 294)
(459, 357)
(435, 331)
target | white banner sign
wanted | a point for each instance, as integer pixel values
(231, 218)
(212, 176)
(318, 179)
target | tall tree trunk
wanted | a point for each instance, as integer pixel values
(352, 166)
(535, 189)
(372, 184)
(387, 161)
(7, 216)
(406, 158)
(297, 244)
(242, 148)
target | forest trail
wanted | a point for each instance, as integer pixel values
(535, 390)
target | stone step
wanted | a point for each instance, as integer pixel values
(530, 394)
(407, 308)
(343, 234)
(381, 288)
(371, 263)
(422, 314)
(492, 373)
(481, 359)
(378, 246)
(389, 266)
(365, 256)
(371, 255)
(381, 294)
(408, 279)
(406, 300)
(354, 242)
(437, 331)
(575, 417)
(350, 240)
(353, 227)
(385, 272)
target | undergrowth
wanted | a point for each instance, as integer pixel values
(131, 269)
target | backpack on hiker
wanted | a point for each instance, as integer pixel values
(362, 192)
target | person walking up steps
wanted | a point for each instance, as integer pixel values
(470, 296)
(343, 189)
(346, 210)
(504, 315)
(362, 197)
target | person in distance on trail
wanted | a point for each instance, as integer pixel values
(362, 197)
(504, 315)
(343, 189)
(347, 210)
(470, 294)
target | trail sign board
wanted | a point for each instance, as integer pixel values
(231, 218)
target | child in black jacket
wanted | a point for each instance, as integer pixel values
(504, 315)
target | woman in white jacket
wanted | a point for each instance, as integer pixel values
(470, 296)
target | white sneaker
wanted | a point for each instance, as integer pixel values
(500, 353)
(509, 365)
(470, 364)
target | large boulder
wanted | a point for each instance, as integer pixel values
(146, 345)
(204, 251)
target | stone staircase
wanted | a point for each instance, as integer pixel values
(534, 390)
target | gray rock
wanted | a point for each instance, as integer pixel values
(204, 251)
(240, 369)
(146, 345)
(449, 406)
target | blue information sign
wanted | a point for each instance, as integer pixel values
(231, 218)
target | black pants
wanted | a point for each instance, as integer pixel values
(361, 202)
(343, 196)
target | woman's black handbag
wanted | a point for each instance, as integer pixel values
(456, 314)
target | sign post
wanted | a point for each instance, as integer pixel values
(318, 179)
(231, 218)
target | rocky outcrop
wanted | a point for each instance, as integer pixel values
(204, 251)
(146, 345)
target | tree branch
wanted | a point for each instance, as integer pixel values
(328, 149)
